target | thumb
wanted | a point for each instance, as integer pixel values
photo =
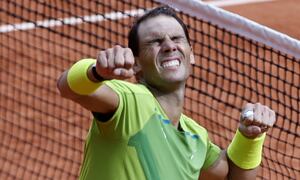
(250, 131)
(122, 73)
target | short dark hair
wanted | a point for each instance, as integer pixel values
(133, 39)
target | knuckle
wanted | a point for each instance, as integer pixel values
(249, 104)
(267, 109)
(129, 60)
(118, 46)
(273, 113)
(258, 105)
(127, 49)
(101, 59)
(117, 49)
(101, 54)
(110, 51)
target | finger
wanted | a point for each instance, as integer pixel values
(102, 60)
(264, 129)
(249, 106)
(272, 117)
(123, 73)
(269, 117)
(247, 110)
(253, 130)
(258, 113)
(119, 56)
(130, 73)
(247, 114)
(266, 116)
(247, 122)
(110, 58)
(129, 58)
(250, 131)
(257, 123)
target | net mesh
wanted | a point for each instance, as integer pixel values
(42, 134)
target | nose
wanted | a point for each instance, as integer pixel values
(169, 45)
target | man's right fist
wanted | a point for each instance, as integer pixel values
(115, 63)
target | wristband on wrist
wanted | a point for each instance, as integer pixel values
(78, 80)
(244, 152)
(96, 75)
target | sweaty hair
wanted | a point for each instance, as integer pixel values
(133, 39)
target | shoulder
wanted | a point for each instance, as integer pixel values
(194, 127)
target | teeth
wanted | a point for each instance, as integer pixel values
(170, 63)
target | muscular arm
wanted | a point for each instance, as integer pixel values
(218, 170)
(224, 169)
(236, 173)
(252, 126)
(103, 100)
(112, 63)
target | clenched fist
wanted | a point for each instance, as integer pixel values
(256, 119)
(115, 63)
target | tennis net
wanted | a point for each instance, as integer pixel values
(237, 61)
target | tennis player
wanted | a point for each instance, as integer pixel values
(139, 130)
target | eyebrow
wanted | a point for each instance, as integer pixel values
(159, 35)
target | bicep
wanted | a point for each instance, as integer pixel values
(103, 100)
(218, 170)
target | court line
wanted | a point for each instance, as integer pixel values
(98, 18)
(69, 21)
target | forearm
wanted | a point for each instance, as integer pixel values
(244, 156)
(225, 169)
(237, 173)
(81, 87)
(64, 88)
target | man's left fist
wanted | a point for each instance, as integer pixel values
(256, 119)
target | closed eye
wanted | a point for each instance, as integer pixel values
(177, 38)
(158, 41)
(161, 40)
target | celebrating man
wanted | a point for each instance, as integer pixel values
(139, 131)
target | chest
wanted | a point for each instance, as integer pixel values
(165, 152)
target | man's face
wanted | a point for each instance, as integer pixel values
(165, 55)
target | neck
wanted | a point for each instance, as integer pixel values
(171, 101)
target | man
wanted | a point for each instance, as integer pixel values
(139, 131)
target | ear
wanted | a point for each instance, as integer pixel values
(192, 58)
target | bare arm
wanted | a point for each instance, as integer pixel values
(113, 63)
(103, 100)
(224, 169)
(218, 171)
(236, 173)
(251, 127)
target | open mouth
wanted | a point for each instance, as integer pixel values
(172, 63)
